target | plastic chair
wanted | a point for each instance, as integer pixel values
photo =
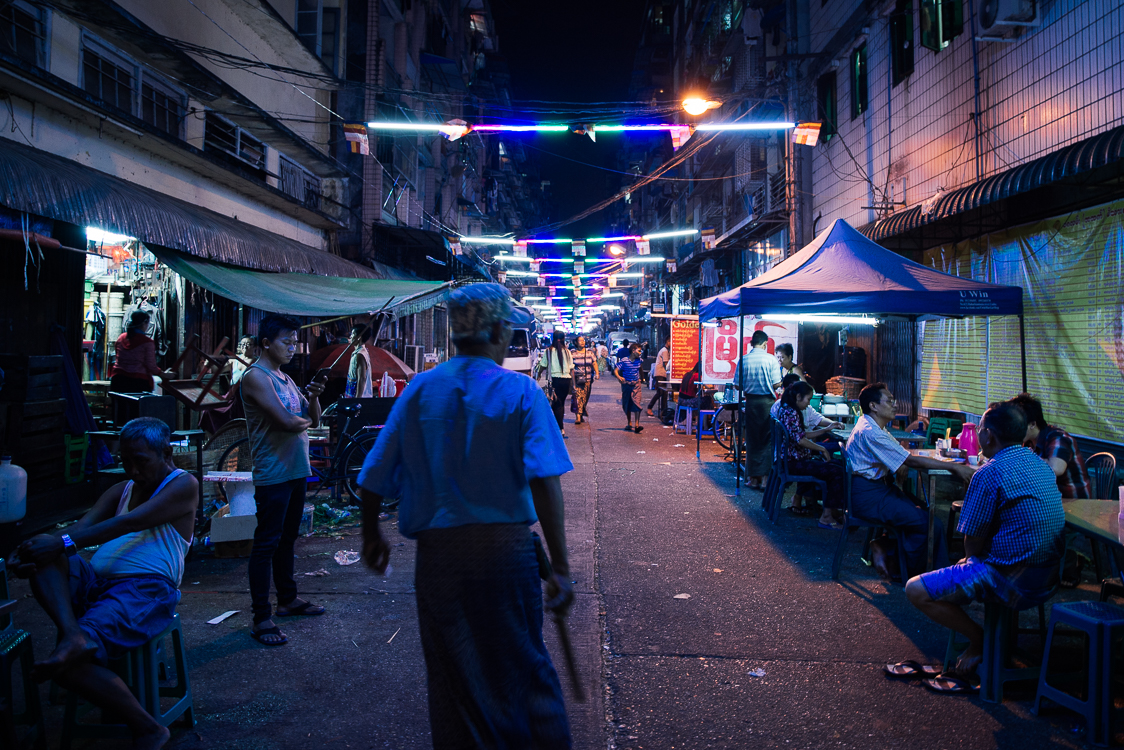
(75, 446)
(1101, 623)
(780, 478)
(1101, 468)
(691, 413)
(852, 522)
(1001, 631)
(140, 669)
(15, 646)
(938, 426)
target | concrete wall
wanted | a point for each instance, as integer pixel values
(1055, 84)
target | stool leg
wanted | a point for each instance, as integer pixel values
(995, 640)
(1100, 687)
(1049, 641)
(33, 710)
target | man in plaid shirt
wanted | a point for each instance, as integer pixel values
(1056, 447)
(1013, 525)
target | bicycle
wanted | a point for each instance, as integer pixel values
(343, 465)
(725, 430)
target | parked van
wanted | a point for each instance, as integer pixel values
(523, 351)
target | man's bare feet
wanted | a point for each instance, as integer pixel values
(153, 740)
(968, 662)
(70, 651)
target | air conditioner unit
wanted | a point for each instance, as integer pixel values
(1001, 18)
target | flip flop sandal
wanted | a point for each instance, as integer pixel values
(910, 669)
(799, 510)
(952, 685)
(304, 609)
(638, 429)
(261, 635)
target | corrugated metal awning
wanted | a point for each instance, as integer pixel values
(1059, 166)
(58, 188)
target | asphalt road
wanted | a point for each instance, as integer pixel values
(697, 624)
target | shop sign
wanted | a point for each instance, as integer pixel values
(684, 346)
(721, 350)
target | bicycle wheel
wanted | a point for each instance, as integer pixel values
(722, 433)
(353, 461)
(236, 457)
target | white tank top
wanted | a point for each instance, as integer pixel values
(157, 551)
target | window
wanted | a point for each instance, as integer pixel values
(299, 183)
(110, 80)
(318, 27)
(901, 42)
(860, 93)
(941, 22)
(23, 33)
(223, 137)
(308, 24)
(826, 104)
(161, 106)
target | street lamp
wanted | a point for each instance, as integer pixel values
(697, 106)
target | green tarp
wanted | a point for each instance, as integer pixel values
(305, 294)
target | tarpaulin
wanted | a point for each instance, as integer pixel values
(843, 272)
(305, 294)
(1071, 267)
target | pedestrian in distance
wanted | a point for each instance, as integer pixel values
(584, 373)
(358, 383)
(632, 393)
(127, 593)
(278, 416)
(134, 361)
(663, 358)
(758, 375)
(558, 364)
(469, 493)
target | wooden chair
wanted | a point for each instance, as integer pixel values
(200, 393)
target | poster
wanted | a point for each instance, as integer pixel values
(1070, 268)
(684, 347)
(720, 344)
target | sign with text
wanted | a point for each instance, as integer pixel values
(684, 346)
(721, 350)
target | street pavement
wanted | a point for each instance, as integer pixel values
(697, 624)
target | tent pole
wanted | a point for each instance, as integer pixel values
(1022, 348)
(698, 431)
(741, 408)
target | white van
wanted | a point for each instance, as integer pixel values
(523, 351)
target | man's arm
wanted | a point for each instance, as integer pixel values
(376, 552)
(1057, 465)
(976, 546)
(963, 472)
(547, 495)
(258, 391)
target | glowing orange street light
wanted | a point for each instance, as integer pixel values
(696, 106)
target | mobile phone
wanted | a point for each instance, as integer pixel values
(322, 374)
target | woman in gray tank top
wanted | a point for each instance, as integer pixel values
(277, 418)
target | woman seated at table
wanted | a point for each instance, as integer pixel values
(800, 450)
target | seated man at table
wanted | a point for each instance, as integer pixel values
(1012, 524)
(1056, 447)
(875, 456)
(127, 593)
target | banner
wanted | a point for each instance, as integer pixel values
(684, 347)
(721, 350)
(356, 138)
(578, 247)
(1070, 268)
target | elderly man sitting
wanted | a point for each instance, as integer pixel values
(1012, 524)
(128, 592)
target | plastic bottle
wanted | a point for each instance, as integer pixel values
(13, 491)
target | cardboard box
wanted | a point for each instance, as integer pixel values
(228, 528)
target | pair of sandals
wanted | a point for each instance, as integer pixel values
(637, 429)
(934, 678)
(273, 636)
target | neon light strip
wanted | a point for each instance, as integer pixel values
(712, 126)
(489, 240)
(645, 259)
(521, 128)
(678, 233)
(548, 242)
(616, 239)
(514, 258)
(521, 273)
(428, 127)
(628, 128)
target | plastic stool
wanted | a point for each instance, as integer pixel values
(15, 645)
(1001, 630)
(691, 417)
(1101, 622)
(140, 669)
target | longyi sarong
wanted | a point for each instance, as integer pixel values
(491, 680)
(632, 396)
(759, 435)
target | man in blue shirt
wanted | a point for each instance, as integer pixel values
(1013, 542)
(475, 455)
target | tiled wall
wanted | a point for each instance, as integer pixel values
(1057, 83)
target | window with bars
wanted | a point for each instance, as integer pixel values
(162, 108)
(108, 79)
(941, 22)
(23, 32)
(827, 105)
(860, 93)
(299, 183)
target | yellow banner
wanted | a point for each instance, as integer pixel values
(1070, 269)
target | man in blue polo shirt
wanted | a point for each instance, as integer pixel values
(1012, 524)
(475, 455)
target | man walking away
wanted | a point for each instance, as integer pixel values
(277, 418)
(475, 455)
(758, 376)
(662, 360)
(127, 593)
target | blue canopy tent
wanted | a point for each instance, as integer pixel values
(845, 273)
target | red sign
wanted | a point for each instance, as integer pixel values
(721, 350)
(684, 346)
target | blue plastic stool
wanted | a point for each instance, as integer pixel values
(1001, 631)
(140, 669)
(1102, 623)
(15, 648)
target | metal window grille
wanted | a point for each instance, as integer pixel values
(223, 136)
(161, 108)
(299, 183)
(108, 81)
(22, 32)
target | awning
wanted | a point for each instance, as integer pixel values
(306, 294)
(1070, 165)
(58, 188)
